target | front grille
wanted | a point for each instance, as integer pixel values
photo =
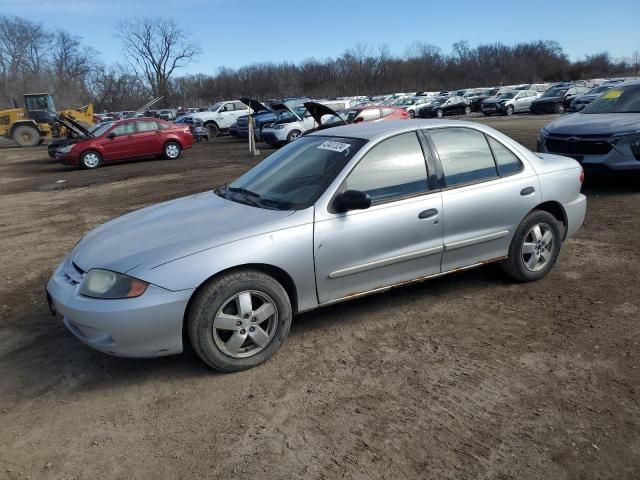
(578, 147)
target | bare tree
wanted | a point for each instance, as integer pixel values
(635, 62)
(157, 47)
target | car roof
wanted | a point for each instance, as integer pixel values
(385, 128)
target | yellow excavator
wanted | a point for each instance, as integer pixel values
(38, 120)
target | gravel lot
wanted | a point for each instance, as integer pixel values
(468, 376)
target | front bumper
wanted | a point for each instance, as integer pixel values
(146, 326)
(612, 160)
(272, 137)
(492, 108)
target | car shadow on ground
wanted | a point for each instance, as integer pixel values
(54, 360)
(611, 184)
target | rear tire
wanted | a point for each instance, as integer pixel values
(214, 131)
(559, 108)
(467, 110)
(439, 113)
(26, 136)
(171, 150)
(412, 114)
(90, 160)
(509, 111)
(534, 248)
(219, 313)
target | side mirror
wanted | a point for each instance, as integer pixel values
(352, 200)
(358, 120)
(111, 136)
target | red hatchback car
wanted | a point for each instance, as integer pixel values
(124, 140)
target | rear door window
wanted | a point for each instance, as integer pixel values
(464, 154)
(387, 111)
(507, 162)
(147, 126)
(393, 169)
(369, 114)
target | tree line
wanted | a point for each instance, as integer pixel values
(34, 59)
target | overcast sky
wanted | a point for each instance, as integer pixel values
(234, 33)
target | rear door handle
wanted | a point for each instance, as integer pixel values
(427, 214)
(527, 191)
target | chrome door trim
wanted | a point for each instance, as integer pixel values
(476, 240)
(385, 262)
(408, 282)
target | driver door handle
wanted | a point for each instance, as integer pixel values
(428, 214)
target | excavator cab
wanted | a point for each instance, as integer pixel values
(40, 107)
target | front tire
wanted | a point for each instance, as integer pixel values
(412, 114)
(171, 150)
(90, 160)
(535, 247)
(214, 131)
(467, 110)
(509, 111)
(293, 134)
(439, 113)
(239, 320)
(559, 108)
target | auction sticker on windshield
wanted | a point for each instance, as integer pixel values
(611, 94)
(333, 146)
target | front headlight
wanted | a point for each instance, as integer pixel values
(630, 146)
(99, 283)
(544, 132)
(66, 149)
(279, 126)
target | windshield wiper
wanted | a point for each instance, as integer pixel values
(257, 200)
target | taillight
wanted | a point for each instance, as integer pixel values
(582, 175)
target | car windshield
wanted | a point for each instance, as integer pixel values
(617, 100)
(102, 128)
(296, 175)
(215, 106)
(555, 92)
(507, 95)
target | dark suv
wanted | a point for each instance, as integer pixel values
(557, 99)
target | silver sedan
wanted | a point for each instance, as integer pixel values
(335, 215)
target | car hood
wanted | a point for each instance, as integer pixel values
(161, 233)
(318, 110)
(595, 124)
(255, 105)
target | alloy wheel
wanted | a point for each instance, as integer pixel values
(172, 150)
(245, 324)
(91, 160)
(538, 247)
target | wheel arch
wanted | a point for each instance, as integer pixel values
(24, 123)
(276, 272)
(557, 210)
(172, 140)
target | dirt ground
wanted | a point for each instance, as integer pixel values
(469, 376)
